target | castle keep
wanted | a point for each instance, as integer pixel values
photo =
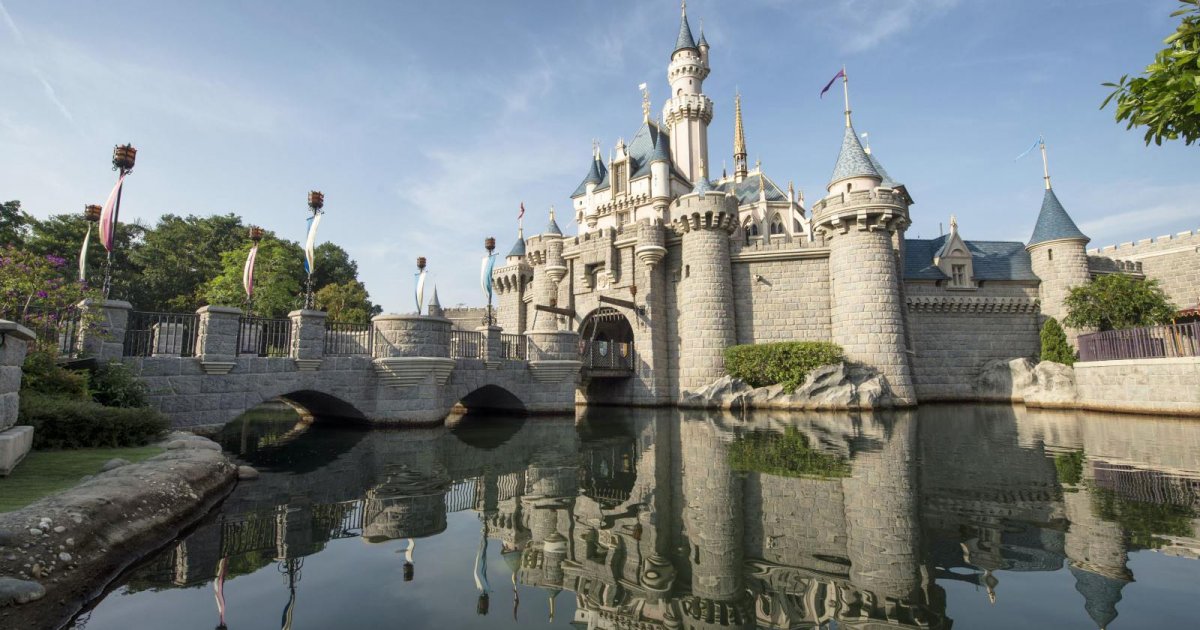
(672, 265)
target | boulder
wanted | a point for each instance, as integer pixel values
(115, 462)
(246, 473)
(14, 591)
(836, 386)
(1054, 386)
(1004, 379)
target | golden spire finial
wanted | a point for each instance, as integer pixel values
(739, 139)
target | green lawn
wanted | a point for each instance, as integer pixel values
(45, 472)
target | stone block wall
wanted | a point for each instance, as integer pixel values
(1140, 385)
(1172, 259)
(1060, 265)
(795, 522)
(412, 336)
(15, 441)
(707, 324)
(789, 301)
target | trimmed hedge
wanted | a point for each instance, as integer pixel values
(787, 362)
(61, 422)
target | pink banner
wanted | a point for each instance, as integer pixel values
(108, 219)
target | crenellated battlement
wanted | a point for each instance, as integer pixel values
(874, 209)
(1149, 246)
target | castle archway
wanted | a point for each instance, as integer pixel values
(606, 339)
(491, 398)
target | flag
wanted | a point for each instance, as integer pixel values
(420, 290)
(310, 244)
(841, 74)
(108, 220)
(248, 271)
(1031, 148)
(83, 254)
(521, 214)
(485, 275)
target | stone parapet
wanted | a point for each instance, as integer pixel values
(15, 441)
(216, 341)
(308, 338)
(105, 338)
(493, 346)
(877, 209)
(411, 336)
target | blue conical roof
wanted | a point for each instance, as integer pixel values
(685, 36)
(703, 185)
(1100, 594)
(518, 248)
(595, 175)
(702, 41)
(853, 161)
(1053, 223)
(552, 227)
(888, 182)
(660, 150)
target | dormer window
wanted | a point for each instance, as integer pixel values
(620, 178)
(777, 228)
(958, 275)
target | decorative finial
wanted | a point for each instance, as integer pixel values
(683, 7)
(551, 212)
(1045, 163)
(739, 139)
(846, 93)
(645, 103)
(953, 224)
(866, 142)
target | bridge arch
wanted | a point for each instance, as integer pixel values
(492, 398)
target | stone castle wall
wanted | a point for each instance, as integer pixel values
(1172, 259)
(954, 333)
(1060, 265)
(782, 300)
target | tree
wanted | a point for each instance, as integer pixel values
(61, 235)
(346, 302)
(34, 291)
(332, 265)
(1166, 98)
(277, 278)
(1055, 346)
(1117, 301)
(13, 223)
(180, 255)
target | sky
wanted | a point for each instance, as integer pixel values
(426, 124)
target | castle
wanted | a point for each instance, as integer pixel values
(670, 266)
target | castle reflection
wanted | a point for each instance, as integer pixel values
(675, 519)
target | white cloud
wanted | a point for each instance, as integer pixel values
(1130, 211)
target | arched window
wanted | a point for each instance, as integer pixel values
(796, 227)
(777, 225)
(848, 186)
(750, 229)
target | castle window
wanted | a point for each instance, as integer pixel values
(959, 275)
(796, 227)
(621, 179)
(1049, 254)
(848, 187)
(750, 229)
(777, 228)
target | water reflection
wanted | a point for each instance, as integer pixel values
(984, 516)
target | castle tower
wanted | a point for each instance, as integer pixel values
(705, 218)
(1058, 252)
(860, 221)
(740, 167)
(548, 269)
(509, 282)
(688, 111)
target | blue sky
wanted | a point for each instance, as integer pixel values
(426, 123)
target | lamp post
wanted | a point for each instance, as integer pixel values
(316, 201)
(489, 244)
(256, 234)
(124, 157)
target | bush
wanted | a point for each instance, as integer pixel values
(1117, 301)
(786, 454)
(43, 376)
(114, 385)
(1055, 346)
(61, 422)
(788, 362)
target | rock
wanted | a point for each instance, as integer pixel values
(14, 591)
(1054, 385)
(200, 443)
(64, 557)
(60, 529)
(246, 473)
(33, 531)
(720, 393)
(115, 462)
(1004, 379)
(828, 386)
(7, 538)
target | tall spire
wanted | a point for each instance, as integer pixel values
(846, 94)
(1045, 164)
(685, 39)
(739, 141)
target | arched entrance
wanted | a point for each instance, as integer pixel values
(606, 343)
(491, 399)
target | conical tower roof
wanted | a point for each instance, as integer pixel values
(685, 35)
(518, 248)
(1053, 223)
(1100, 595)
(552, 227)
(853, 160)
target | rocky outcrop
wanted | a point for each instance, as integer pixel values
(61, 551)
(836, 386)
(1045, 384)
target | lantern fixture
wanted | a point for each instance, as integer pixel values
(91, 212)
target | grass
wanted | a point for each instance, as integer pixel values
(43, 473)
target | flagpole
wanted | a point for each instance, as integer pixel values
(1045, 163)
(846, 93)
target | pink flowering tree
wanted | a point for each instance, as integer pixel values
(36, 291)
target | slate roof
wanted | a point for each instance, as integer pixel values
(597, 173)
(888, 182)
(518, 248)
(552, 227)
(702, 41)
(747, 189)
(1053, 222)
(685, 36)
(1100, 594)
(853, 161)
(990, 260)
(650, 143)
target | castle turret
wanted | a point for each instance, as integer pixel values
(740, 167)
(509, 282)
(705, 219)
(688, 111)
(860, 221)
(660, 173)
(1058, 252)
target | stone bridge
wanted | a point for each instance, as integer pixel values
(207, 369)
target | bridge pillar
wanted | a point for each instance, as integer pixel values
(15, 441)
(308, 339)
(408, 348)
(493, 347)
(553, 355)
(216, 342)
(106, 340)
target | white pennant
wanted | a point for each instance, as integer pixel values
(83, 254)
(420, 291)
(310, 245)
(248, 272)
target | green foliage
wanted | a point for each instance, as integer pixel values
(1144, 521)
(35, 292)
(278, 278)
(1055, 346)
(62, 235)
(13, 223)
(346, 302)
(1165, 99)
(114, 385)
(43, 473)
(786, 454)
(332, 265)
(1069, 467)
(1117, 301)
(787, 362)
(43, 376)
(60, 422)
(180, 255)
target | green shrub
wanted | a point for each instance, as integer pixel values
(61, 422)
(786, 454)
(1055, 346)
(1069, 467)
(1116, 302)
(114, 385)
(43, 376)
(788, 362)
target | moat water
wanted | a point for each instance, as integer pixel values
(963, 516)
